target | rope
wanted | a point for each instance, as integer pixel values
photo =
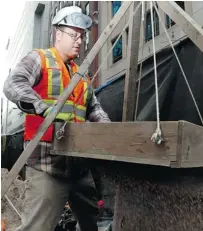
(156, 137)
(181, 68)
(11, 204)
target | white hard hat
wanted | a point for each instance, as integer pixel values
(72, 16)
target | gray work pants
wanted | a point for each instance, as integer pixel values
(46, 197)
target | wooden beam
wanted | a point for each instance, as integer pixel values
(126, 141)
(191, 28)
(131, 142)
(132, 62)
(62, 99)
(129, 101)
(190, 146)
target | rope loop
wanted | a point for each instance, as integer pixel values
(157, 137)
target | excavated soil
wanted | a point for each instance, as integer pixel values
(16, 194)
(159, 199)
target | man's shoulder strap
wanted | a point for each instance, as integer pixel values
(49, 54)
(43, 57)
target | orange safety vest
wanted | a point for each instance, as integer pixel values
(55, 77)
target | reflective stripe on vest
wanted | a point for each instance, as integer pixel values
(55, 84)
(77, 110)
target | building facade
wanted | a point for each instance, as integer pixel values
(32, 32)
(115, 65)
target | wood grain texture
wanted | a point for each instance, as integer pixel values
(131, 76)
(126, 141)
(192, 145)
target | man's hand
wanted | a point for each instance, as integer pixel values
(59, 117)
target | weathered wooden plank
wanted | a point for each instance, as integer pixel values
(126, 141)
(129, 102)
(158, 162)
(192, 145)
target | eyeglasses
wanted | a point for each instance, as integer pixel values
(76, 36)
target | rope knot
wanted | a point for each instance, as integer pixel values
(157, 137)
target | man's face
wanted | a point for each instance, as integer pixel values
(70, 39)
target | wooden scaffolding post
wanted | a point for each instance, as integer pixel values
(131, 76)
(132, 62)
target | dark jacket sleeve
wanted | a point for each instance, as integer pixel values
(95, 112)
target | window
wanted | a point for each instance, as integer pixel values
(148, 29)
(117, 50)
(115, 6)
(169, 21)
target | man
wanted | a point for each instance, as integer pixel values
(34, 85)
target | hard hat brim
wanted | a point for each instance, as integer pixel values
(75, 19)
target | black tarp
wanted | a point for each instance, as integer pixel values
(175, 101)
